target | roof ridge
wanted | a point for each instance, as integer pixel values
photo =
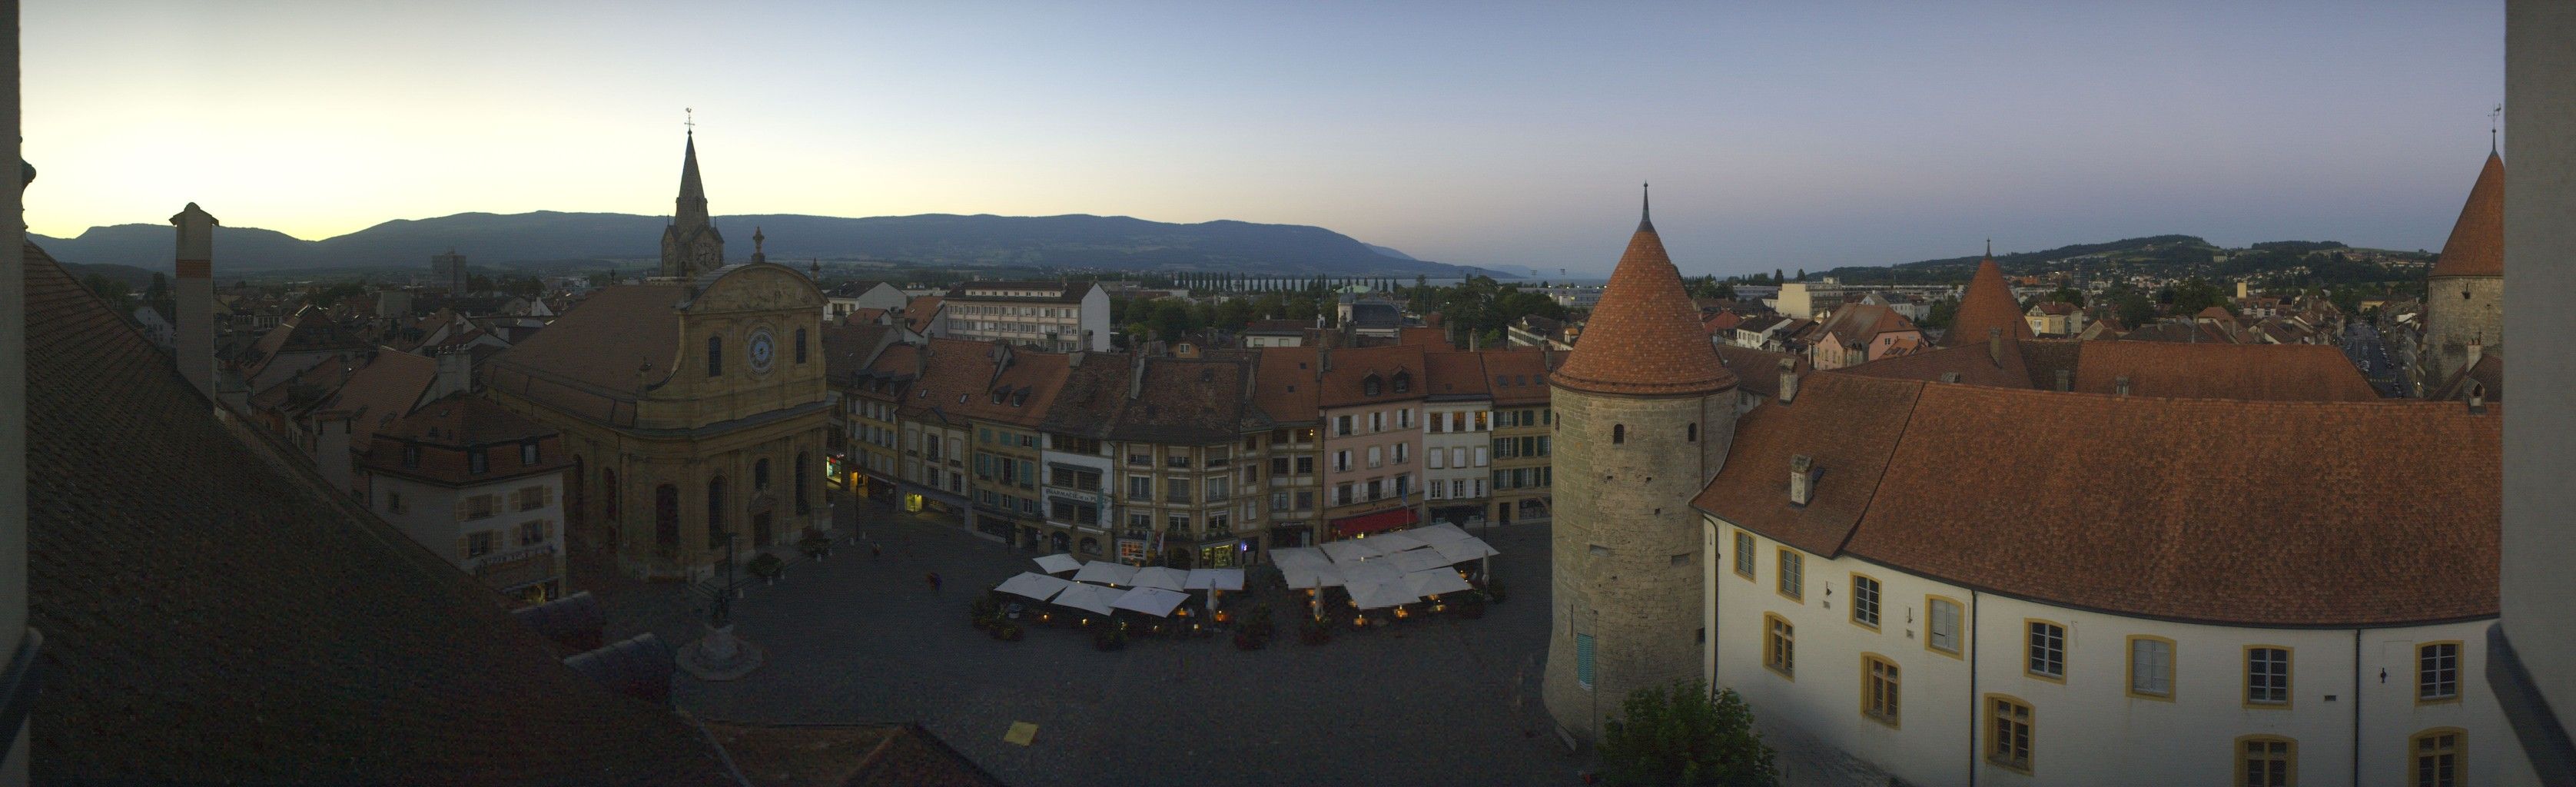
(1861, 517)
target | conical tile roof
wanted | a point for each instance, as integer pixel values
(1988, 303)
(2476, 247)
(1644, 338)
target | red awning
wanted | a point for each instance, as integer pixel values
(1389, 519)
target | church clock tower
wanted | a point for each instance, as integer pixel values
(691, 245)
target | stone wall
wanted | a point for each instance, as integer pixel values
(1626, 547)
(2453, 322)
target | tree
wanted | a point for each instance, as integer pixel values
(2067, 295)
(1802, 274)
(1684, 735)
(1777, 277)
(1233, 313)
(477, 283)
(1171, 319)
(118, 294)
(1939, 316)
(2134, 308)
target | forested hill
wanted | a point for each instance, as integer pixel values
(1075, 241)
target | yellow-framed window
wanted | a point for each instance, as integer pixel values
(2010, 732)
(2434, 757)
(1880, 686)
(1779, 645)
(1793, 575)
(2266, 761)
(2151, 667)
(2267, 676)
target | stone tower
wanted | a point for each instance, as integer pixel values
(1644, 415)
(691, 245)
(2464, 295)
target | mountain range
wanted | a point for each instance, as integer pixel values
(931, 240)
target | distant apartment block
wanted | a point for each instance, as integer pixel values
(1050, 316)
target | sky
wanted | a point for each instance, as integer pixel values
(1777, 135)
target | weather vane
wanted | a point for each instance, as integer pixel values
(2493, 117)
(692, 121)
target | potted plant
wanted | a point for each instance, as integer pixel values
(768, 567)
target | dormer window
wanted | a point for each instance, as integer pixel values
(528, 453)
(411, 455)
(1371, 386)
(476, 461)
(1403, 382)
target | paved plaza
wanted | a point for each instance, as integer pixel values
(857, 638)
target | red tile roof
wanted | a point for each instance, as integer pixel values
(603, 351)
(1644, 337)
(1758, 371)
(1457, 375)
(1520, 375)
(918, 313)
(2476, 246)
(2271, 513)
(1348, 369)
(2244, 372)
(1289, 384)
(1987, 304)
(1428, 337)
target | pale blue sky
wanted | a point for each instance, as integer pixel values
(1778, 134)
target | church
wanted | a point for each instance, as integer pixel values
(692, 403)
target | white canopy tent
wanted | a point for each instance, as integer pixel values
(1212, 579)
(1378, 595)
(1290, 556)
(1152, 601)
(1033, 585)
(1160, 577)
(1093, 598)
(1106, 573)
(1436, 581)
(1058, 563)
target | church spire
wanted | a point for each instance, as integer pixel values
(692, 211)
(1645, 207)
(690, 244)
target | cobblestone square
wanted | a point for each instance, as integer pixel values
(861, 638)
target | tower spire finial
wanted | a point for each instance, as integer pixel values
(1646, 207)
(2494, 117)
(692, 120)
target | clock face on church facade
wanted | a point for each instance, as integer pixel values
(763, 350)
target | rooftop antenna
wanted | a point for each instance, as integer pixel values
(2493, 116)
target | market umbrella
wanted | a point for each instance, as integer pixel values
(1106, 573)
(1463, 551)
(1320, 576)
(1371, 572)
(1412, 560)
(1058, 563)
(1435, 581)
(1376, 595)
(1093, 598)
(1160, 577)
(1438, 534)
(1152, 601)
(1350, 551)
(1033, 585)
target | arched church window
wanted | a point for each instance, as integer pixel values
(1618, 434)
(715, 356)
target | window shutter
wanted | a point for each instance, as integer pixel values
(1583, 660)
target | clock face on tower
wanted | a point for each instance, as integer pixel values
(763, 350)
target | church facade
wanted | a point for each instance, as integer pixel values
(693, 404)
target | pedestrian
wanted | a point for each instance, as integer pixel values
(934, 582)
(876, 550)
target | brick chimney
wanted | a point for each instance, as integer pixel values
(2477, 350)
(455, 375)
(2123, 384)
(1995, 345)
(2477, 398)
(194, 297)
(1802, 479)
(1788, 380)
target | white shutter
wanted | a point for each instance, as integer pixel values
(1432, 459)
(1481, 459)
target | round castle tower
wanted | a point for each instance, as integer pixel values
(1644, 416)
(2464, 294)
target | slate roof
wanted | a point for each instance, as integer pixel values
(2337, 525)
(1988, 303)
(2476, 245)
(240, 623)
(606, 350)
(1644, 337)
